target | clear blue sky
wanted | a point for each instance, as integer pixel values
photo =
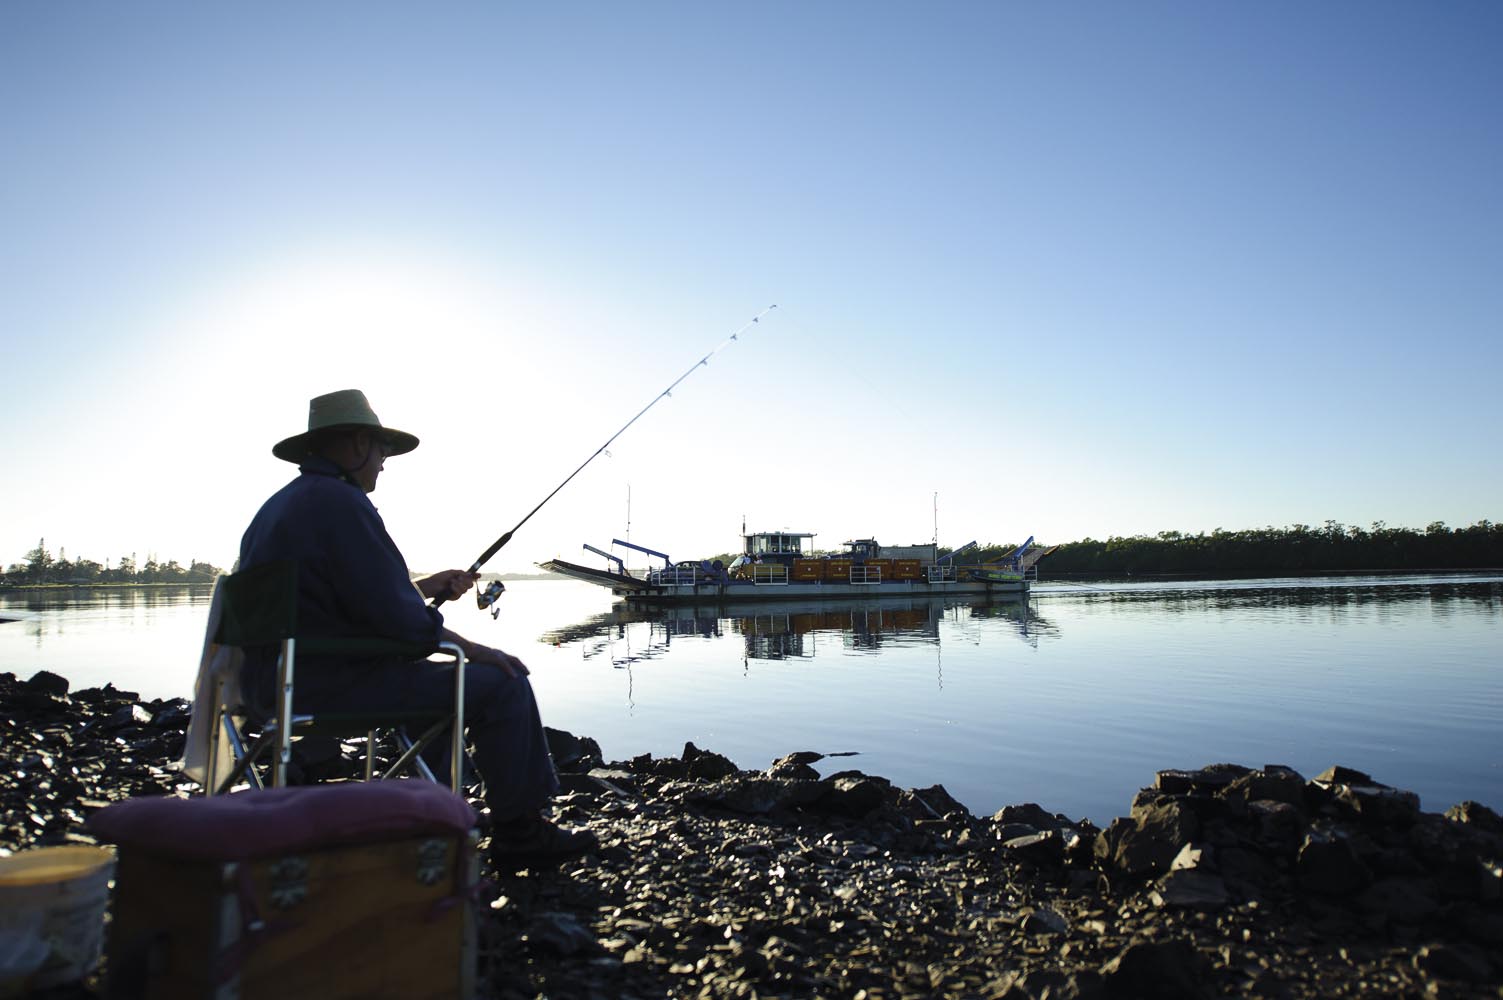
(1079, 269)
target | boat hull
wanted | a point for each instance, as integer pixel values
(699, 593)
(703, 589)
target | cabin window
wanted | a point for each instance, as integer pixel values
(760, 545)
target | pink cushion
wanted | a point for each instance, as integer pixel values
(255, 824)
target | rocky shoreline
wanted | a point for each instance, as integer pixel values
(713, 881)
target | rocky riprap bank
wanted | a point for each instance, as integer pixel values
(713, 881)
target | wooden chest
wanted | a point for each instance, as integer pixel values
(357, 889)
(386, 919)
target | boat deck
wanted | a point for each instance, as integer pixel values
(666, 588)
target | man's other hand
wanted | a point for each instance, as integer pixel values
(487, 654)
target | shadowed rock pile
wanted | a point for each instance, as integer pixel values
(716, 882)
(712, 881)
(64, 755)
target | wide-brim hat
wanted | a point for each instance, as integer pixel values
(347, 408)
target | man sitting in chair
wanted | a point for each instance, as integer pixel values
(352, 581)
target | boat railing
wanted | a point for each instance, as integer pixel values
(673, 576)
(941, 574)
(866, 574)
(769, 574)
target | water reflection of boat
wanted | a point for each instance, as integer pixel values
(775, 630)
(776, 566)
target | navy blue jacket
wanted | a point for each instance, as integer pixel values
(352, 580)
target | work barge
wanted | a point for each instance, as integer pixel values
(783, 566)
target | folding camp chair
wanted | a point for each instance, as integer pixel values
(260, 610)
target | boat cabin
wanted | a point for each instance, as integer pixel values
(778, 546)
(862, 550)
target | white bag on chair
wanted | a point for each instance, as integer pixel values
(217, 686)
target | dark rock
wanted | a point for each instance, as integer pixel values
(1476, 814)
(1280, 825)
(916, 810)
(1109, 842)
(1193, 890)
(1080, 843)
(792, 771)
(1012, 831)
(613, 779)
(1045, 921)
(1380, 805)
(1166, 970)
(1339, 775)
(1280, 785)
(172, 715)
(1044, 849)
(854, 796)
(1042, 983)
(1083, 985)
(573, 783)
(937, 798)
(1032, 815)
(760, 796)
(316, 750)
(560, 933)
(1173, 782)
(570, 752)
(706, 765)
(1328, 865)
(124, 717)
(46, 682)
(1483, 924)
(1401, 900)
(800, 758)
(1193, 857)
(1489, 881)
(1147, 843)
(38, 702)
(1206, 781)
(1388, 861)
(1453, 961)
(1440, 844)
(107, 695)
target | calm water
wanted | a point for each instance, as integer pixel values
(1071, 699)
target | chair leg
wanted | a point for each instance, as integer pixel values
(283, 755)
(245, 758)
(211, 765)
(412, 752)
(456, 750)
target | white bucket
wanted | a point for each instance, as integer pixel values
(52, 903)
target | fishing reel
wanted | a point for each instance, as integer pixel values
(487, 598)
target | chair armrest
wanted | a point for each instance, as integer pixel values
(364, 646)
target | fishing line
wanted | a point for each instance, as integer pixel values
(489, 596)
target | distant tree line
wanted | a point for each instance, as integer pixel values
(1299, 548)
(1295, 549)
(40, 567)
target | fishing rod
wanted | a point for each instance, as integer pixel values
(488, 596)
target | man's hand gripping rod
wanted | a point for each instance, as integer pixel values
(489, 595)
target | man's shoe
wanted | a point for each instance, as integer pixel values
(536, 842)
